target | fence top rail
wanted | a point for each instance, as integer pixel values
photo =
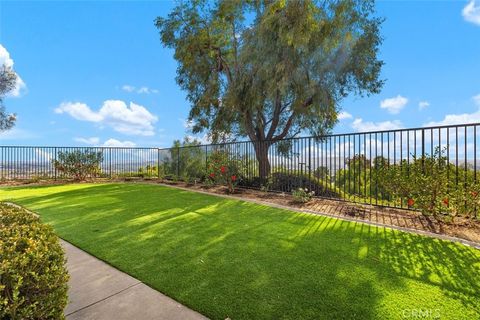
(453, 126)
(400, 130)
(85, 147)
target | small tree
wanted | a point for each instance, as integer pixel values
(79, 164)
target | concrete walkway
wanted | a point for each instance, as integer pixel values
(99, 291)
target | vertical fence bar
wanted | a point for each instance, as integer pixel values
(475, 163)
(54, 166)
(423, 150)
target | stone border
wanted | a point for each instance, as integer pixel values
(376, 224)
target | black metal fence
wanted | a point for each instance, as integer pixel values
(342, 166)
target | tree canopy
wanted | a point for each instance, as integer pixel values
(269, 70)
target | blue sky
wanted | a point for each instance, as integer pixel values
(95, 73)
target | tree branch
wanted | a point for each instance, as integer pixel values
(276, 116)
(286, 128)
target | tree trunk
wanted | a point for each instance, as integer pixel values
(261, 152)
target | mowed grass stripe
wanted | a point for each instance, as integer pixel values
(231, 258)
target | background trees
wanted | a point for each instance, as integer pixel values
(187, 160)
(269, 70)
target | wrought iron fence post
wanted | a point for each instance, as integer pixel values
(55, 163)
(423, 150)
(206, 159)
(158, 163)
(178, 163)
(309, 163)
(110, 162)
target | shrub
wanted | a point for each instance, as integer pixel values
(33, 278)
(267, 185)
(223, 169)
(302, 195)
(423, 182)
(289, 181)
(428, 184)
(464, 200)
(78, 164)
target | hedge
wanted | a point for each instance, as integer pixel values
(33, 277)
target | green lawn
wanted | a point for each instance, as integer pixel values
(229, 258)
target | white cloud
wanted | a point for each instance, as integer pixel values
(94, 141)
(476, 99)
(79, 111)
(365, 126)
(132, 120)
(423, 105)
(451, 119)
(462, 118)
(394, 105)
(117, 143)
(144, 90)
(5, 57)
(6, 60)
(344, 115)
(128, 88)
(471, 12)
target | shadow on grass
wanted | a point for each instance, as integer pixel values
(228, 258)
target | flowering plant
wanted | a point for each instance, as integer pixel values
(222, 169)
(302, 195)
(429, 184)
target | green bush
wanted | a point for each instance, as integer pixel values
(429, 184)
(186, 161)
(79, 164)
(223, 169)
(423, 182)
(302, 195)
(292, 180)
(33, 278)
(361, 177)
(465, 200)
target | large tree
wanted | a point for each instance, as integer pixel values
(270, 70)
(8, 81)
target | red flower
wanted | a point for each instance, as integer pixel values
(474, 193)
(410, 202)
(234, 178)
(212, 175)
(445, 201)
(222, 168)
